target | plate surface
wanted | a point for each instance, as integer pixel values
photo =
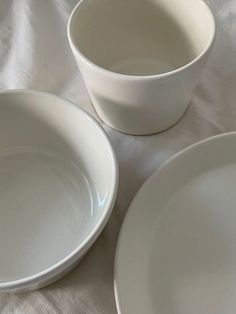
(176, 252)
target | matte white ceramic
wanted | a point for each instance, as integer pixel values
(58, 183)
(176, 252)
(141, 59)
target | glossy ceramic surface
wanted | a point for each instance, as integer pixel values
(176, 251)
(58, 185)
(141, 60)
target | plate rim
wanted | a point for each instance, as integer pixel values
(165, 164)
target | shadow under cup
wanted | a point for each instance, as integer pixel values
(136, 41)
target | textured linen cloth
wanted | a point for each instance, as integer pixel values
(34, 53)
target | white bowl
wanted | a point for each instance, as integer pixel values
(58, 183)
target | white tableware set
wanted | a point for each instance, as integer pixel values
(176, 253)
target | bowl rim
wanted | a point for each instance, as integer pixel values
(168, 74)
(93, 234)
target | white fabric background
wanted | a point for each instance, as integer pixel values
(34, 53)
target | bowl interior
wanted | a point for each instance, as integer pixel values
(137, 37)
(56, 178)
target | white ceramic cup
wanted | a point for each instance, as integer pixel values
(141, 60)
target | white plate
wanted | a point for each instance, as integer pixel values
(176, 252)
(58, 183)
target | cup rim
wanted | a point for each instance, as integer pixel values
(98, 68)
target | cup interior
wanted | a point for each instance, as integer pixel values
(137, 37)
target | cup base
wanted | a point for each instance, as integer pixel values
(142, 132)
(141, 67)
